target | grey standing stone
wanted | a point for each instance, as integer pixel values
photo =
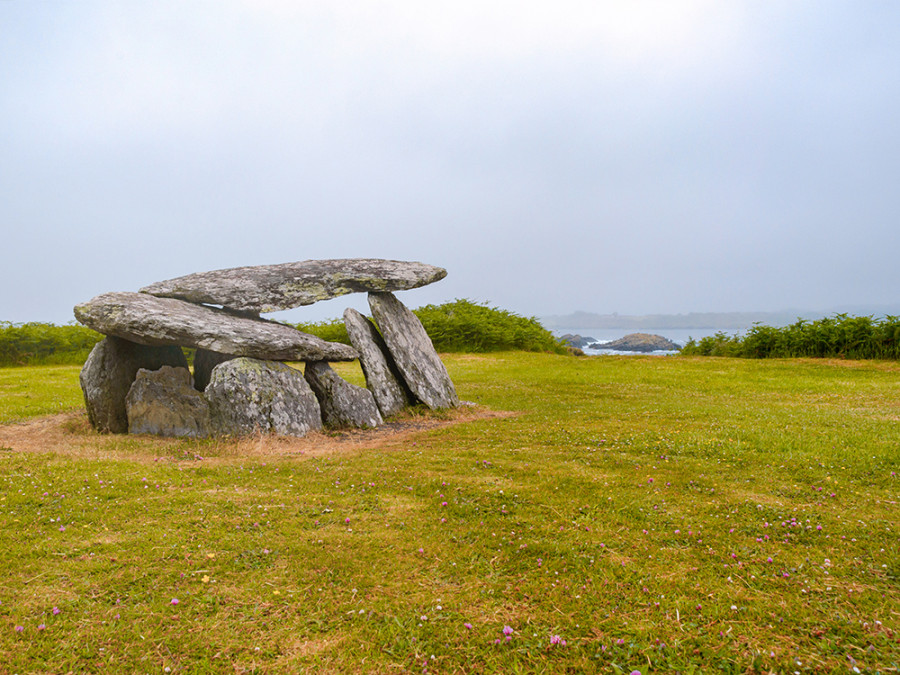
(164, 403)
(382, 377)
(269, 288)
(150, 320)
(248, 396)
(343, 404)
(204, 362)
(109, 372)
(413, 352)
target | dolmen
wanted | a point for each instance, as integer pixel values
(137, 379)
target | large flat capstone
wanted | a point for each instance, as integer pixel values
(413, 352)
(148, 320)
(270, 288)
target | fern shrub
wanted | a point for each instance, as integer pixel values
(464, 326)
(838, 336)
(27, 344)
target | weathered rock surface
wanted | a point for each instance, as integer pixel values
(413, 352)
(248, 396)
(577, 341)
(164, 403)
(639, 342)
(109, 372)
(343, 404)
(149, 320)
(204, 362)
(382, 377)
(269, 288)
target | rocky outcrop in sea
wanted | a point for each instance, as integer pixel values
(639, 342)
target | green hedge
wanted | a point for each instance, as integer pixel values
(44, 343)
(839, 336)
(464, 326)
(458, 326)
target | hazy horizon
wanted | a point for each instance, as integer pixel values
(643, 157)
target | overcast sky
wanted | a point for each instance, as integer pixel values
(632, 157)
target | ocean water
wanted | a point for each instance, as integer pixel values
(676, 335)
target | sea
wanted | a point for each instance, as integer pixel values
(677, 335)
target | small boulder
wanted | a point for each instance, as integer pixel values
(110, 371)
(164, 403)
(248, 396)
(343, 404)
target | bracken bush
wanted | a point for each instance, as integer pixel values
(464, 326)
(458, 326)
(839, 336)
(44, 343)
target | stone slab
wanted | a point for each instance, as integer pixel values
(249, 396)
(148, 320)
(164, 403)
(413, 352)
(382, 377)
(343, 404)
(270, 288)
(109, 372)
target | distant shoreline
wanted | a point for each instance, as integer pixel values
(699, 320)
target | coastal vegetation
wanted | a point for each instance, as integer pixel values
(45, 343)
(586, 515)
(458, 326)
(465, 326)
(839, 336)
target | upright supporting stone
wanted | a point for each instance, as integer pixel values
(343, 404)
(248, 396)
(109, 372)
(204, 362)
(413, 352)
(382, 377)
(163, 402)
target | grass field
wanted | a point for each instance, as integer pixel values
(629, 513)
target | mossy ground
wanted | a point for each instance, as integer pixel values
(654, 514)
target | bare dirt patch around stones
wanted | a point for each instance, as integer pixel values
(70, 434)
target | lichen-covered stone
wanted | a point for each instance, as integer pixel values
(163, 402)
(343, 404)
(204, 362)
(382, 377)
(110, 371)
(149, 320)
(249, 396)
(413, 352)
(270, 288)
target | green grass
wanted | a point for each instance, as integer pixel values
(658, 514)
(31, 391)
